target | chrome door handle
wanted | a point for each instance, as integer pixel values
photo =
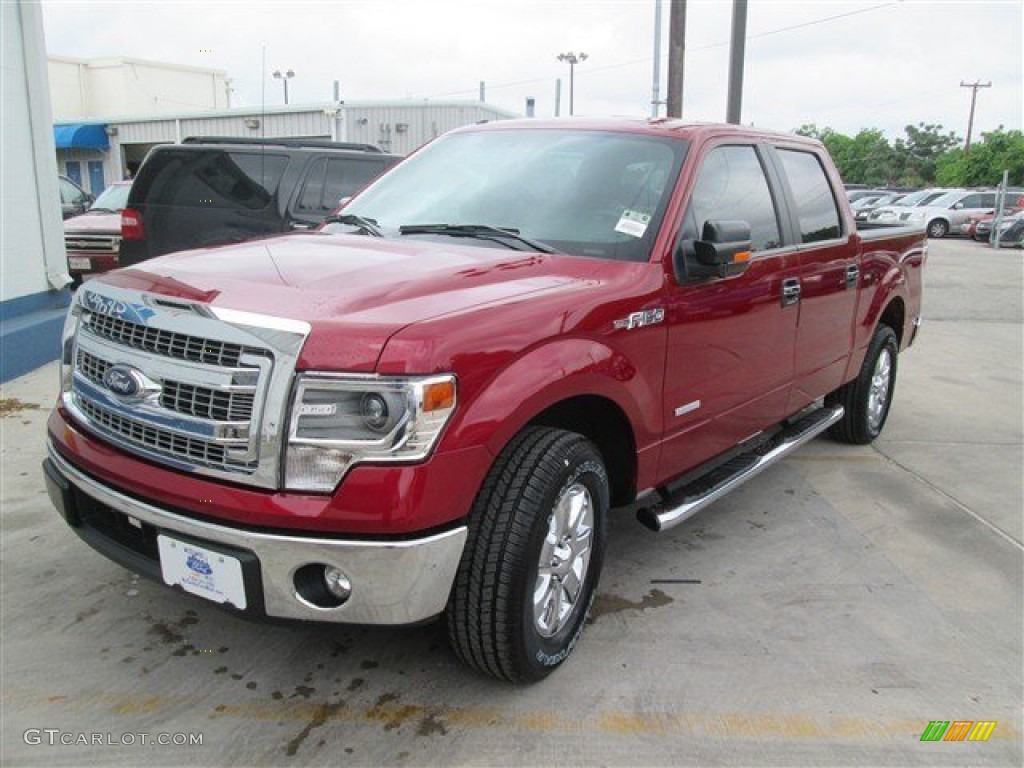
(790, 291)
(852, 276)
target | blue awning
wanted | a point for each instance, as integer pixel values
(81, 136)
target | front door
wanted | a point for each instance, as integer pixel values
(730, 340)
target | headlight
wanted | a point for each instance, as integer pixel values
(340, 421)
(67, 343)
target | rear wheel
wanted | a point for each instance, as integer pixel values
(532, 558)
(866, 399)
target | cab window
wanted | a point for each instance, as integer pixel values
(732, 186)
(816, 209)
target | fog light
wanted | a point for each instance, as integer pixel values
(337, 582)
(322, 586)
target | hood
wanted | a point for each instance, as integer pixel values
(355, 291)
(94, 222)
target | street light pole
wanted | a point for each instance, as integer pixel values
(284, 78)
(573, 59)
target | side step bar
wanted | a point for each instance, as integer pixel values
(693, 497)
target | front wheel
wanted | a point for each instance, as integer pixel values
(866, 399)
(533, 556)
(938, 228)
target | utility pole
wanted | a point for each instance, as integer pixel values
(656, 85)
(974, 97)
(676, 58)
(737, 49)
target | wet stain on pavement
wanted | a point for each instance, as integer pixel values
(10, 406)
(608, 604)
(320, 716)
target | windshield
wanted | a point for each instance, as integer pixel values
(586, 193)
(113, 198)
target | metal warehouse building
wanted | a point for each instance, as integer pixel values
(117, 146)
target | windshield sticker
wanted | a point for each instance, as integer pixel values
(633, 223)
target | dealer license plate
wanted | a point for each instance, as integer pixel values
(79, 262)
(202, 571)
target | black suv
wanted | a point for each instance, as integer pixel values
(209, 191)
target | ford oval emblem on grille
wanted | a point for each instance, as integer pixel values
(125, 381)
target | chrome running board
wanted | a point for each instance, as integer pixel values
(688, 500)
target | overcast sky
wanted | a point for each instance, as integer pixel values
(847, 65)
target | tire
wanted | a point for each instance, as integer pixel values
(867, 399)
(938, 228)
(536, 530)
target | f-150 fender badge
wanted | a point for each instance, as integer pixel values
(640, 319)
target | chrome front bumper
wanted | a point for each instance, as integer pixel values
(393, 582)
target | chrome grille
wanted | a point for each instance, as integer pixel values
(168, 343)
(203, 402)
(161, 440)
(92, 367)
(92, 243)
(207, 403)
(198, 388)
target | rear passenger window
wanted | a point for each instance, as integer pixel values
(731, 186)
(217, 179)
(815, 206)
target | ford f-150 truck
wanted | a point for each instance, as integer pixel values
(429, 406)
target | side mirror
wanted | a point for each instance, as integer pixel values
(723, 250)
(957, 206)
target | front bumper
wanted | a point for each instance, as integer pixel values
(393, 582)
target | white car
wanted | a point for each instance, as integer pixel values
(897, 214)
(945, 214)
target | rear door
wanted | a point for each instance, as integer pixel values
(730, 340)
(829, 275)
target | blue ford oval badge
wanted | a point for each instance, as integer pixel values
(124, 381)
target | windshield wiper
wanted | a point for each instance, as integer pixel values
(480, 231)
(367, 225)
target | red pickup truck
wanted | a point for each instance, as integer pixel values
(429, 406)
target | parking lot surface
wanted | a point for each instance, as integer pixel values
(824, 614)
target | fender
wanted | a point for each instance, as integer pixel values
(554, 372)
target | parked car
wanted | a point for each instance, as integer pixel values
(898, 214)
(429, 406)
(1011, 231)
(92, 240)
(73, 199)
(946, 213)
(862, 208)
(211, 191)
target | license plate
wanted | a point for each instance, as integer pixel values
(79, 262)
(202, 571)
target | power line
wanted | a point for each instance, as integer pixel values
(648, 59)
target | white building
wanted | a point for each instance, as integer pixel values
(109, 148)
(84, 91)
(33, 292)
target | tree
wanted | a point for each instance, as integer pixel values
(998, 151)
(867, 158)
(918, 155)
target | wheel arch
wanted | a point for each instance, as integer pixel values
(894, 315)
(605, 424)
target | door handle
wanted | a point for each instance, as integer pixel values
(852, 276)
(790, 291)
